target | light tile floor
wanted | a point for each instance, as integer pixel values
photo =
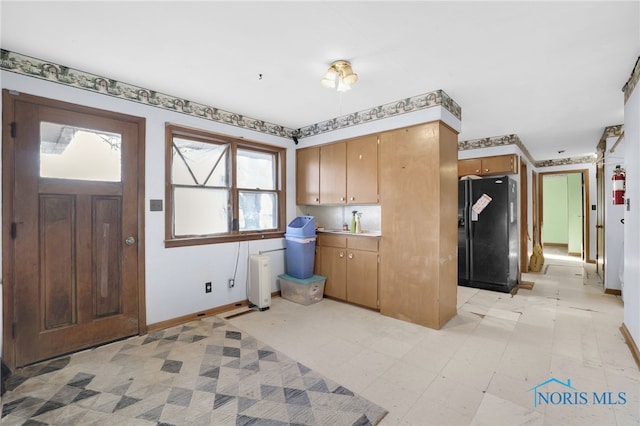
(481, 367)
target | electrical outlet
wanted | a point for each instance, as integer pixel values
(232, 282)
(207, 287)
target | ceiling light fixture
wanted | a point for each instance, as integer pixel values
(339, 76)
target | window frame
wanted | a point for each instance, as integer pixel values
(173, 130)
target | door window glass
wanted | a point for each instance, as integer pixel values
(68, 152)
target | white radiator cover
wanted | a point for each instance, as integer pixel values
(259, 285)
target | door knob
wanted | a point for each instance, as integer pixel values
(130, 241)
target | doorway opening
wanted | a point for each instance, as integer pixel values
(564, 214)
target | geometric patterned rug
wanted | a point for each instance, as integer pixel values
(205, 372)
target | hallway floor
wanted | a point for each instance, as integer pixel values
(485, 365)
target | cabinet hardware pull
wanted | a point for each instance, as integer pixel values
(341, 198)
(353, 198)
(341, 254)
(316, 199)
(477, 170)
(486, 170)
(350, 255)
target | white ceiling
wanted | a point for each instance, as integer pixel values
(550, 72)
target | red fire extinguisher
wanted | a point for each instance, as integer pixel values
(618, 179)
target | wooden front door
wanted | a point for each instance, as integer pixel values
(75, 279)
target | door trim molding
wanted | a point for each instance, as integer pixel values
(8, 257)
(524, 218)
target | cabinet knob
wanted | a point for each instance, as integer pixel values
(477, 170)
(352, 198)
(341, 254)
(486, 170)
(350, 255)
(316, 199)
(341, 198)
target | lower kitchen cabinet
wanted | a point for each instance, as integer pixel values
(351, 267)
(362, 278)
(333, 265)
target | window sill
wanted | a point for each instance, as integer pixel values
(198, 241)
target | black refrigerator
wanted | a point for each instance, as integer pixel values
(488, 233)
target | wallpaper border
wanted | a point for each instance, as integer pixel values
(37, 68)
(33, 67)
(609, 132)
(513, 139)
(494, 141)
(412, 104)
(631, 84)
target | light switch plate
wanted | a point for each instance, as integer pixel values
(155, 205)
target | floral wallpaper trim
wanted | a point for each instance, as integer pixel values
(415, 103)
(589, 159)
(612, 131)
(489, 142)
(25, 65)
(513, 139)
(609, 132)
(632, 82)
(494, 141)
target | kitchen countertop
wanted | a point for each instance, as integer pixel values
(341, 232)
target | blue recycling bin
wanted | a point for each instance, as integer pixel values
(301, 246)
(302, 226)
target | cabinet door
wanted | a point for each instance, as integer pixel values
(362, 170)
(333, 173)
(333, 265)
(308, 176)
(362, 278)
(471, 166)
(499, 164)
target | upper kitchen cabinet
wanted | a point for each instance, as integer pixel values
(362, 170)
(308, 176)
(338, 173)
(489, 166)
(333, 174)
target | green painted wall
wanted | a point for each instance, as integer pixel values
(574, 210)
(555, 225)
